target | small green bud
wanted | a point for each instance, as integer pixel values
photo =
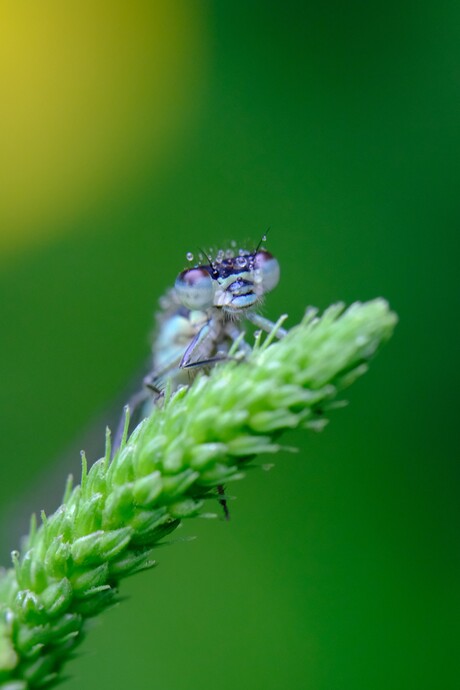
(87, 548)
(184, 509)
(56, 598)
(219, 474)
(49, 680)
(273, 420)
(85, 580)
(34, 651)
(251, 445)
(150, 454)
(29, 636)
(115, 541)
(66, 528)
(73, 501)
(89, 515)
(121, 471)
(160, 528)
(173, 460)
(8, 589)
(147, 489)
(96, 479)
(151, 526)
(226, 422)
(95, 601)
(8, 656)
(145, 521)
(33, 574)
(119, 507)
(206, 453)
(100, 546)
(57, 558)
(28, 605)
(34, 671)
(132, 562)
(65, 625)
(178, 484)
(316, 424)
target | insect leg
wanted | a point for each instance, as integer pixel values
(265, 324)
(198, 340)
(238, 337)
(205, 341)
(223, 501)
(207, 362)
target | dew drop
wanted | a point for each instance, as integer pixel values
(264, 238)
(189, 256)
(233, 244)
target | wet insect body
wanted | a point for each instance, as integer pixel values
(200, 317)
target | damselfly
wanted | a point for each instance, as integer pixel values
(200, 319)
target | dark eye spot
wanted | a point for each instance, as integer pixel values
(192, 276)
(262, 258)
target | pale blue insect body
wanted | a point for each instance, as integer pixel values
(201, 316)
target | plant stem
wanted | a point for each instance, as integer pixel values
(203, 436)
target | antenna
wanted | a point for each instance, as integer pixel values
(262, 239)
(213, 270)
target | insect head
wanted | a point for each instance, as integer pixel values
(230, 282)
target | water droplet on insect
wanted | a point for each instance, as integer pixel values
(189, 256)
(264, 238)
(229, 254)
(241, 261)
(233, 244)
(220, 255)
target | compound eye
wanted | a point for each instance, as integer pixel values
(268, 268)
(195, 288)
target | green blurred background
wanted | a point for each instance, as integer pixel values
(131, 133)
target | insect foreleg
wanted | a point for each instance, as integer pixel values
(238, 338)
(198, 342)
(265, 324)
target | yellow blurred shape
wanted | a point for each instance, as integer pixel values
(90, 94)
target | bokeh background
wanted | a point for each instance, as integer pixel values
(131, 133)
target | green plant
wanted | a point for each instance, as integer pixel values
(107, 527)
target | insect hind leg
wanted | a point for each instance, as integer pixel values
(223, 501)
